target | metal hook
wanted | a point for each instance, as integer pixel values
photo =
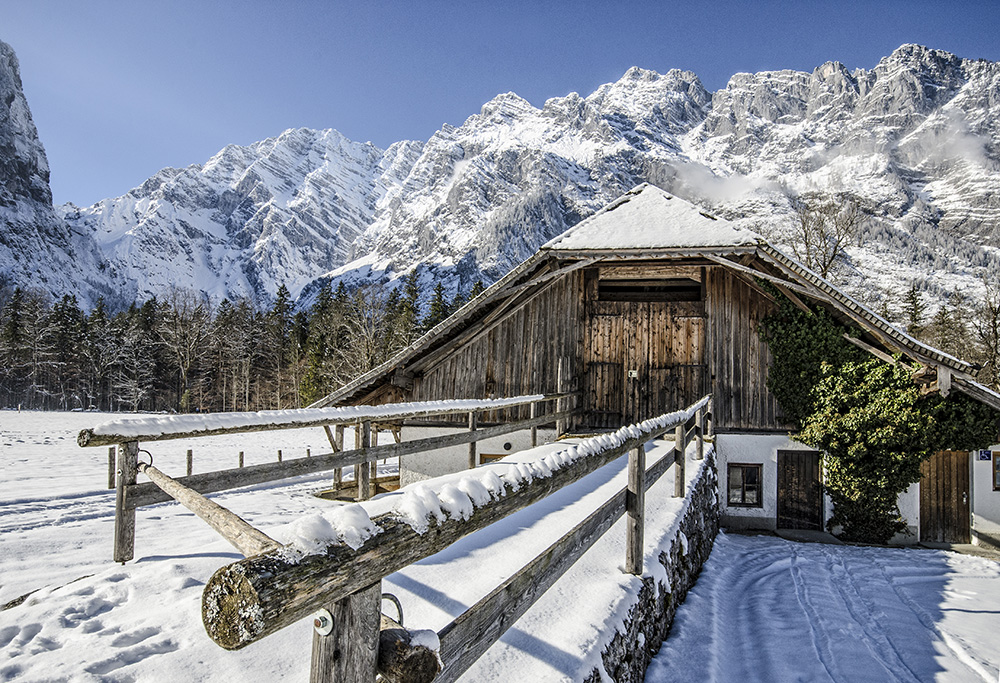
(394, 600)
(147, 464)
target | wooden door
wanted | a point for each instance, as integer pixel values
(643, 359)
(800, 493)
(944, 498)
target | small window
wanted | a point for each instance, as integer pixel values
(672, 289)
(745, 485)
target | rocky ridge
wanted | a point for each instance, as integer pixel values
(916, 138)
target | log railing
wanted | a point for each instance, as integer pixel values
(128, 433)
(257, 596)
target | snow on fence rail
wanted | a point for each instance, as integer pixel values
(128, 433)
(257, 596)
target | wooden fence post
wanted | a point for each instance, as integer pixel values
(128, 456)
(279, 455)
(349, 651)
(679, 448)
(374, 464)
(534, 428)
(635, 503)
(700, 423)
(338, 446)
(362, 472)
(111, 467)
(241, 458)
(473, 460)
(560, 403)
(190, 462)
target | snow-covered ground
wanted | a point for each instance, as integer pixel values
(766, 609)
(93, 620)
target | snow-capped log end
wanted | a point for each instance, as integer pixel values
(230, 610)
(405, 655)
(84, 438)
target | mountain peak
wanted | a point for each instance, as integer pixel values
(506, 105)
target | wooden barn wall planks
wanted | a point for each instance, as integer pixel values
(518, 356)
(681, 350)
(738, 357)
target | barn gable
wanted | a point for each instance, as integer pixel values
(643, 307)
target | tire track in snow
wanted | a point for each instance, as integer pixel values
(821, 641)
(867, 619)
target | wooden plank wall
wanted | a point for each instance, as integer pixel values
(519, 356)
(738, 358)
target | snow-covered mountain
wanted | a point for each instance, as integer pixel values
(917, 139)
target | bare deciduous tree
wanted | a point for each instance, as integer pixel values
(825, 225)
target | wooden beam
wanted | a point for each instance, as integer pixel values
(680, 448)
(139, 495)
(244, 537)
(473, 460)
(878, 353)
(277, 590)
(362, 473)
(777, 281)
(976, 391)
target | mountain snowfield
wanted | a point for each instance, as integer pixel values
(916, 138)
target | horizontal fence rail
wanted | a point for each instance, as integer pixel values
(139, 495)
(159, 428)
(250, 599)
(129, 432)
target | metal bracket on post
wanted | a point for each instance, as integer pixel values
(348, 650)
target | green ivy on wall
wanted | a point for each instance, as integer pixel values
(866, 415)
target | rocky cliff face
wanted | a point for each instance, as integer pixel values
(37, 249)
(916, 139)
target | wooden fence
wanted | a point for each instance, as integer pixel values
(250, 599)
(128, 434)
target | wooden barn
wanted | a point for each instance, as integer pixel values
(639, 310)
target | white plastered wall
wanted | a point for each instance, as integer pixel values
(755, 449)
(420, 466)
(985, 501)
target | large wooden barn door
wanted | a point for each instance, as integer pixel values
(800, 495)
(643, 359)
(944, 498)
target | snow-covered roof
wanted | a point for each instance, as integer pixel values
(649, 218)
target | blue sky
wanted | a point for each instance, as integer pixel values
(119, 90)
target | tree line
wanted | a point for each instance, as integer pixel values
(183, 353)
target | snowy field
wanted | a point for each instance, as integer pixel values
(90, 619)
(765, 609)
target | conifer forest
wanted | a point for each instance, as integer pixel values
(183, 353)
